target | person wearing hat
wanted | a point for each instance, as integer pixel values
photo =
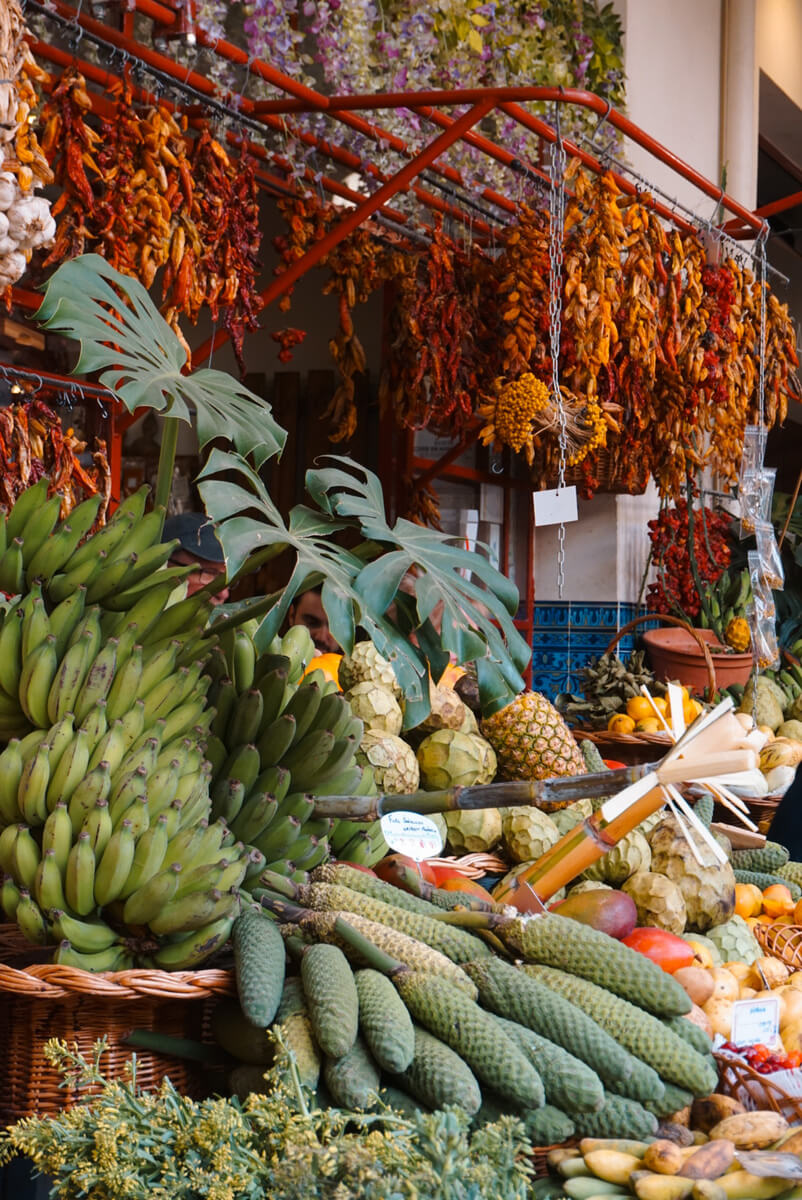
(198, 545)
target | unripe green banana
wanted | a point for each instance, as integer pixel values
(26, 504)
(230, 873)
(29, 744)
(187, 717)
(98, 680)
(30, 920)
(110, 579)
(62, 586)
(36, 678)
(162, 786)
(129, 637)
(111, 748)
(317, 853)
(209, 846)
(243, 661)
(48, 888)
(183, 845)
(24, 857)
(98, 826)
(10, 896)
(93, 787)
(228, 796)
(304, 706)
(8, 837)
(11, 651)
(59, 550)
(143, 753)
(255, 816)
(38, 527)
(157, 665)
(79, 877)
(60, 738)
(187, 952)
(11, 766)
(224, 703)
(88, 937)
(276, 739)
(141, 535)
(165, 696)
(109, 537)
(273, 686)
(115, 958)
(65, 617)
(149, 856)
(125, 791)
(33, 784)
(57, 835)
(152, 897)
(275, 780)
(69, 678)
(309, 756)
(138, 814)
(148, 562)
(89, 623)
(279, 838)
(243, 764)
(193, 911)
(133, 723)
(95, 724)
(125, 685)
(12, 569)
(147, 610)
(299, 648)
(113, 868)
(71, 769)
(178, 618)
(297, 804)
(173, 816)
(340, 759)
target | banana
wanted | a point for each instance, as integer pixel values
(11, 650)
(182, 846)
(272, 687)
(59, 738)
(7, 839)
(112, 870)
(95, 786)
(69, 678)
(148, 857)
(138, 815)
(65, 617)
(31, 742)
(98, 826)
(152, 897)
(126, 684)
(71, 769)
(309, 755)
(24, 506)
(111, 747)
(130, 594)
(187, 614)
(196, 808)
(12, 571)
(243, 661)
(57, 835)
(147, 610)
(11, 766)
(109, 580)
(209, 846)
(30, 920)
(275, 780)
(193, 911)
(89, 623)
(173, 816)
(98, 680)
(340, 768)
(158, 666)
(141, 535)
(298, 647)
(227, 799)
(216, 753)
(148, 562)
(256, 863)
(24, 858)
(38, 528)
(88, 937)
(9, 898)
(279, 838)
(162, 786)
(109, 537)
(246, 718)
(63, 585)
(231, 872)
(254, 817)
(334, 714)
(165, 696)
(243, 764)
(54, 553)
(185, 953)
(303, 706)
(128, 640)
(48, 888)
(130, 787)
(224, 702)
(33, 784)
(298, 804)
(133, 723)
(115, 958)
(276, 739)
(37, 676)
(185, 717)
(95, 724)
(143, 753)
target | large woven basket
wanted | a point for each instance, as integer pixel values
(783, 942)
(43, 1001)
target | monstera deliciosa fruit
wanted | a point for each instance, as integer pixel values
(143, 363)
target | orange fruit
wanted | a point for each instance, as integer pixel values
(620, 723)
(648, 725)
(690, 710)
(639, 708)
(661, 704)
(328, 665)
(748, 899)
(798, 913)
(450, 676)
(777, 901)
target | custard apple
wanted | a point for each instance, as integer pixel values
(629, 855)
(475, 831)
(528, 833)
(395, 767)
(448, 758)
(659, 901)
(708, 890)
(376, 707)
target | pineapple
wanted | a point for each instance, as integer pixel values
(532, 741)
(737, 635)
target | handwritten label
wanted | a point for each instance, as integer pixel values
(756, 1021)
(553, 506)
(412, 834)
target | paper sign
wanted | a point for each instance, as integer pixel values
(677, 716)
(555, 506)
(756, 1022)
(412, 834)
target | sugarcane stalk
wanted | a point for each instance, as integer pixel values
(539, 793)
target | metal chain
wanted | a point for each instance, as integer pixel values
(556, 224)
(761, 384)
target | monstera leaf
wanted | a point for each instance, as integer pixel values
(123, 335)
(477, 620)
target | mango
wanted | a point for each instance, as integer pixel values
(662, 1187)
(611, 912)
(612, 1165)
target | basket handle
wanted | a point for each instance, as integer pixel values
(669, 620)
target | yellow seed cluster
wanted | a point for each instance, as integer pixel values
(511, 414)
(592, 418)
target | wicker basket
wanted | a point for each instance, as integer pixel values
(783, 942)
(755, 1091)
(540, 1156)
(46, 1001)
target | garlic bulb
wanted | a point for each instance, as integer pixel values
(27, 219)
(8, 190)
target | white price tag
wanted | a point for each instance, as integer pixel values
(412, 834)
(555, 506)
(756, 1022)
(677, 716)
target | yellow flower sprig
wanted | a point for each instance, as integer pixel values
(521, 411)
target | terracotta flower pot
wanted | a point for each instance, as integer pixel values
(676, 654)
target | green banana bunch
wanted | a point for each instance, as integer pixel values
(277, 739)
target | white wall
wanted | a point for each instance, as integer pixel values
(779, 44)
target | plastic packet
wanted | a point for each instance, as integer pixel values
(762, 595)
(771, 563)
(765, 647)
(755, 495)
(754, 449)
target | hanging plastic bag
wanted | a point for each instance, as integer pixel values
(755, 496)
(754, 449)
(765, 647)
(762, 595)
(771, 563)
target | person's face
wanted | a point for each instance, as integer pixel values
(309, 611)
(206, 572)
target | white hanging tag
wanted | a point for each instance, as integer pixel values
(555, 506)
(412, 834)
(675, 708)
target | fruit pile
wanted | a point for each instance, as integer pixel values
(608, 684)
(638, 714)
(764, 1060)
(585, 1036)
